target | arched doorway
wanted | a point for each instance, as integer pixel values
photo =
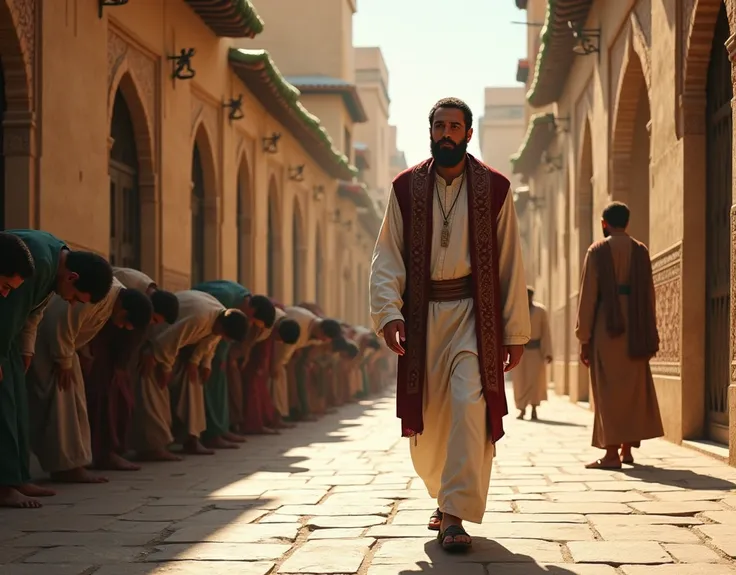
(243, 225)
(3, 108)
(198, 217)
(298, 254)
(273, 243)
(631, 147)
(318, 293)
(718, 200)
(205, 220)
(125, 207)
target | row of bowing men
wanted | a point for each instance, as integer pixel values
(98, 364)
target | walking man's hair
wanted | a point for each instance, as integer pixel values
(616, 215)
(15, 257)
(457, 104)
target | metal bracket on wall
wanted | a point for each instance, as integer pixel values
(109, 3)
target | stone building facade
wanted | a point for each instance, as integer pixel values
(109, 144)
(632, 101)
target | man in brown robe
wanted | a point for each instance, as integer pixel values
(617, 330)
(530, 378)
(448, 263)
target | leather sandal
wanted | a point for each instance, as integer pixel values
(435, 520)
(454, 546)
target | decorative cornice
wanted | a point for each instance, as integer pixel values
(555, 56)
(261, 76)
(539, 135)
(229, 18)
(357, 193)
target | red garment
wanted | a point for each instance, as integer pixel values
(109, 389)
(487, 191)
(258, 411)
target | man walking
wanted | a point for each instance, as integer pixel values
(448, 294)
(530, 378)
(617, 330)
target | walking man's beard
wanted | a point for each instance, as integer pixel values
(446, 156)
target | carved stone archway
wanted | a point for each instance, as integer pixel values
(299, 251)
(630, 145)
(274, 268)
(244, 224)
(205, 209)
(319, 266)
(17, 47)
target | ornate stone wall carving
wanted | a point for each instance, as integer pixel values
(208, 114)
(141, 67)
(667, 270)
(642, 16)
(24, 15)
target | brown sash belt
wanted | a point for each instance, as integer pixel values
(451, 290)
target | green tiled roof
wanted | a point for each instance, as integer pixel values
(539, 136)
(555, 56)
(357, 193)
(261, 76)
(229, 18)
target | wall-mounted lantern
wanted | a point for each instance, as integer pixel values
(335, 217)
(110, 3)
(562, 124)
(348, 225)
(318, 193)
(296, 174)
(271, 144)
(182, 64)
(587, 40)
(236, 108)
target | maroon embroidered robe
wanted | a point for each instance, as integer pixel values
(487, 190)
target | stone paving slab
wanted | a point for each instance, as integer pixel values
(339, 497)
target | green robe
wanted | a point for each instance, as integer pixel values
(14, 312)
(231, 295)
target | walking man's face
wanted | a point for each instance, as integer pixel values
(449, 136)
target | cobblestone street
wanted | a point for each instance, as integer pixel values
(338, 497)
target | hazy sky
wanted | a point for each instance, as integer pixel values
(439, 48)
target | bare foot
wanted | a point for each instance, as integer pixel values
(115, 462)
(11, 497)
(283, 425)
(78, 475)
(234, 437)
(221, 443)
(32, 490)
(194, 447)
(158, 455)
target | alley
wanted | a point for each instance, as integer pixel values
(338, 497)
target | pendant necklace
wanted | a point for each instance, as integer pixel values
(445, 235)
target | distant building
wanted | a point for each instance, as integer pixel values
(501, 129)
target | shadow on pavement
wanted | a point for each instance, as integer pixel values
(502, 561)
(557, 423)
(677, 477)
(167, 511)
